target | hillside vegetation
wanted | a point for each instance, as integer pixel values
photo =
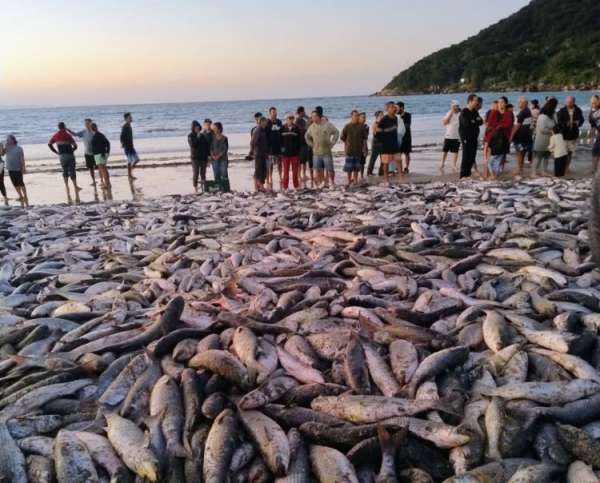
(549, 44)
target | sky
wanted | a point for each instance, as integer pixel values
(65, 52)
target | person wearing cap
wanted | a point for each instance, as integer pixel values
(257, 117)
(291, 142)
(452, 137)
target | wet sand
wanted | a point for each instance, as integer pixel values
(175, 178)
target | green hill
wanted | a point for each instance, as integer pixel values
(549, 44)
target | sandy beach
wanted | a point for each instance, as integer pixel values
(173, 177)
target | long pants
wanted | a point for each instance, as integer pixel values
(469, 155)
(2, 187)
(560, 165)
(220, 169)
(294, 163)
(198, 168)
(374, 155)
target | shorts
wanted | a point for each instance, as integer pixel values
(260, 169)
(523, 147)
(323, 161)
(100, 159)
(132, 157)
(16, 177)
(571, 145)
(596, 149)
(273, 160)
(388, 157)
(451, 146)
(67, 161)
(363, 160)
(352, 164)
(406, 146)
(90, 162)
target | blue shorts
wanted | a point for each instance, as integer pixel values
(323, 161)
(523, 147)
(132, 157)
(353, 163)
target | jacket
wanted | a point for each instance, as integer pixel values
(354, 136)
(127, 137)
(274, 136)
(469, 124)
(557, 146)
(291, 140)
(543, 131)
(570, 131)
(259, 145)
(322, 137)
(100, 145)
(199, 146)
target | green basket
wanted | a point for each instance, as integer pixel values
(216, 186)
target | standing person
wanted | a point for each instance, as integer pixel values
(486, 152)
(535, 112)
(375, 145)
(101, 148)
(257, 117)
(291, 142)
(570, 119)
(499, 128)
(451, 138)
(560, 153)
(543, 130)
(86, 136)
(219, 152)
(127, 144)
(15, 165)
(406, 146)
(522, 135)
(595, 130)
(362, 118)
(353, 136)
(470, 123)
(65, 149)
(192, 139)
(387, 134)
(303, 122)
(321, 136)
(274, 135)
(2, 186)
(259, 148)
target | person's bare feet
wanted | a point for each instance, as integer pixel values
(78, 189)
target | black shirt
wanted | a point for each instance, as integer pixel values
(470, 122)
(127, 137)
(388, 136)
(570, 131)
(524, 134)
(291, 140)
(260, 143)
(100, 145)
(274, 136)
(199, 145)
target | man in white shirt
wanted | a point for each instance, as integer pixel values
(452, 137)
(86, 136)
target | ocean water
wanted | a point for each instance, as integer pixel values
(160, 130)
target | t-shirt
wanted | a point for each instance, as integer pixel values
(452, 127)
(274, 136)
(62, 137)
(86, 136)
(127, 138)
(353, 136)
(14, 157)
(524, 134)
(219, 146)
(388, 136)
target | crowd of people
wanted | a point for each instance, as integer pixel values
(536, 132)
(304, 145)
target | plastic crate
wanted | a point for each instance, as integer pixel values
(216, 186)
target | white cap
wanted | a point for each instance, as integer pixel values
(454, 103)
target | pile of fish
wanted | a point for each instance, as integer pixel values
(418, 333)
